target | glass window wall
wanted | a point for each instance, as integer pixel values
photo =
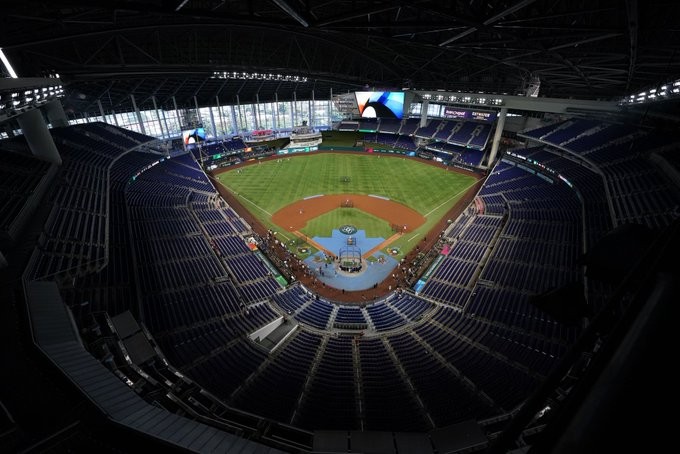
(279, 116)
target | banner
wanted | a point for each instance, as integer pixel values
(458, 113)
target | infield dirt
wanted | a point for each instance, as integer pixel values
(295, 216)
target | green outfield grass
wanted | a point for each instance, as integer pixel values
(323, 225)
(266, 187)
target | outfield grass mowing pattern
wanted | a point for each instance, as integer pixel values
(271, 185)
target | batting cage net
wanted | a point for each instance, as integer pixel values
(349, 258)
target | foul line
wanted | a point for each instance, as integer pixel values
(312, 242)
(449, 199)
(283, 235)
(256, 206)
(385, 243)
(409, 240)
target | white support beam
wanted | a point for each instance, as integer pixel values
(423, 112)
(257, 111)
(139, 115)
(223, 126)
(500, 124)
(291, 12)
(38, 136)
(101, 110)
(212, 122)
(158, 116)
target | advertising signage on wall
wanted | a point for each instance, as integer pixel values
(481, 115)
(453, 112)
(298, 150)
(457, 113)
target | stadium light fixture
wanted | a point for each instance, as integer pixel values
(661, 92)
(257, 76)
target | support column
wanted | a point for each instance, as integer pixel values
(139, 116)
(160, 124)
(423, 113)
(212, 122)
(177, 115)
(101, 111)
(165, 122)
(311, 111)
(277, 122)
(294, 109)
(221, 114)
(240, 116)
(234, 121)
(198, 111)
(497, 136)
(38, 136)
(55, 114)
(257, 112)
(330, 111)
(174, 103)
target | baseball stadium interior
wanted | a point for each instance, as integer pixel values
(340, 226)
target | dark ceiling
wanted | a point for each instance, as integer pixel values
(106, 50)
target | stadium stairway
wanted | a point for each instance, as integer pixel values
(406, 379)
(310, 377)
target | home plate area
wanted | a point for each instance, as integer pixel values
(348, 270)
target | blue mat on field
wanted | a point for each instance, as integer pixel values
(372, 274)
(339, 240)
